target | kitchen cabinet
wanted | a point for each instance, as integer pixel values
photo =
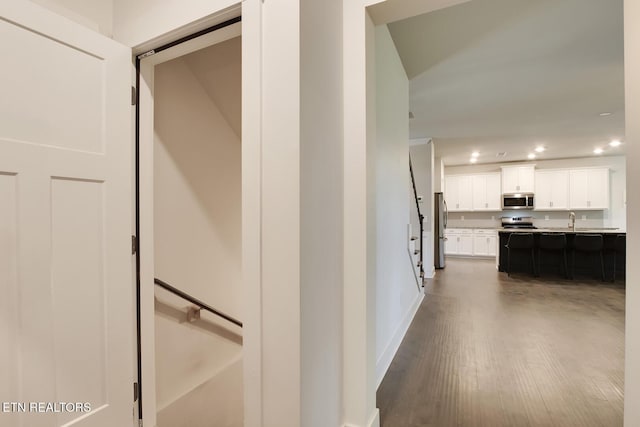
(589, 189)
(551, 190)
(459, 241)
(486, 192)
(470, 242)
(458, 193)
(484, 242)
(518, 179)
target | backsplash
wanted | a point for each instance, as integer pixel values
(541, 219)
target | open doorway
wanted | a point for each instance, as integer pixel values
(190, 230)
(525, 104)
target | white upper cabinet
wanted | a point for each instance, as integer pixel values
(458, 192)
(518, 179)
(486, 192)
(589, 188)
(552, 190)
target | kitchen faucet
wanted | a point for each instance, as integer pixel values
(572, 219)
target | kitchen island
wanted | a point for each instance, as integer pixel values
(586, 265)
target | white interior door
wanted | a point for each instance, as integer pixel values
(66, 298)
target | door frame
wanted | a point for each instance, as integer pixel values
(221, 27)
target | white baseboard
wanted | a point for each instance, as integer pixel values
(430, 273)
(374, 420)
(385, 359)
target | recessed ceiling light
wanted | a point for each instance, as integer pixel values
(598, 151)
(540, 149)
(475, 154)
(615, 143)
(531, 156)
(604, 114)
(473, 159)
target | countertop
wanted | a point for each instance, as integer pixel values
(578, 230)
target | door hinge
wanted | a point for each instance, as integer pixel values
(134, 96)
(135, 391)
(149, 53)
(134, 245)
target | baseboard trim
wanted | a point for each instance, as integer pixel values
(430, 273)
(385, 359)
(374, 420)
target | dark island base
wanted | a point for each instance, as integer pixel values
(551, 263)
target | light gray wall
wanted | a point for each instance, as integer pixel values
(396, 288)
(615, 216)
(197, 237)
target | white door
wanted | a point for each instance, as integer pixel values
(66, 305)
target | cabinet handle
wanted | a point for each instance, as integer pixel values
(589, 203)
(518, 187)
(550, 204)
(457, 205)
(486, 205)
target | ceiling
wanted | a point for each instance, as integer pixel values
(508, 75)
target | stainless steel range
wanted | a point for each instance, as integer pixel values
(517, 222)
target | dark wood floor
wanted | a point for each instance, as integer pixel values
(492, 351)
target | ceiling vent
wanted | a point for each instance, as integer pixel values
(501, 154)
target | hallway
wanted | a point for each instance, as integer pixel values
(491, 351)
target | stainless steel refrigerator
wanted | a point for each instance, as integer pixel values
(439, 224)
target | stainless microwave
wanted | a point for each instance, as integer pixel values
(517, 201)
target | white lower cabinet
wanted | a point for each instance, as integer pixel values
(470, 242)
(484, 242)
(459, 241)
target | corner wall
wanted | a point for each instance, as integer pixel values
(321, 225)
(632, 140)
(397, 293)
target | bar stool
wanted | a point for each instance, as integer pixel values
(619, 248)
(591, 244)
(520, 242)
(556, 243)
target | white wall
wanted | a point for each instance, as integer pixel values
(396, 292)
(615, 216)
(94, 14)
(137, 22)
(632, 138)
(422, 159)
(321, 236)
(197, 236)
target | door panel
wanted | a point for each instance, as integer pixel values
(67, 312)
